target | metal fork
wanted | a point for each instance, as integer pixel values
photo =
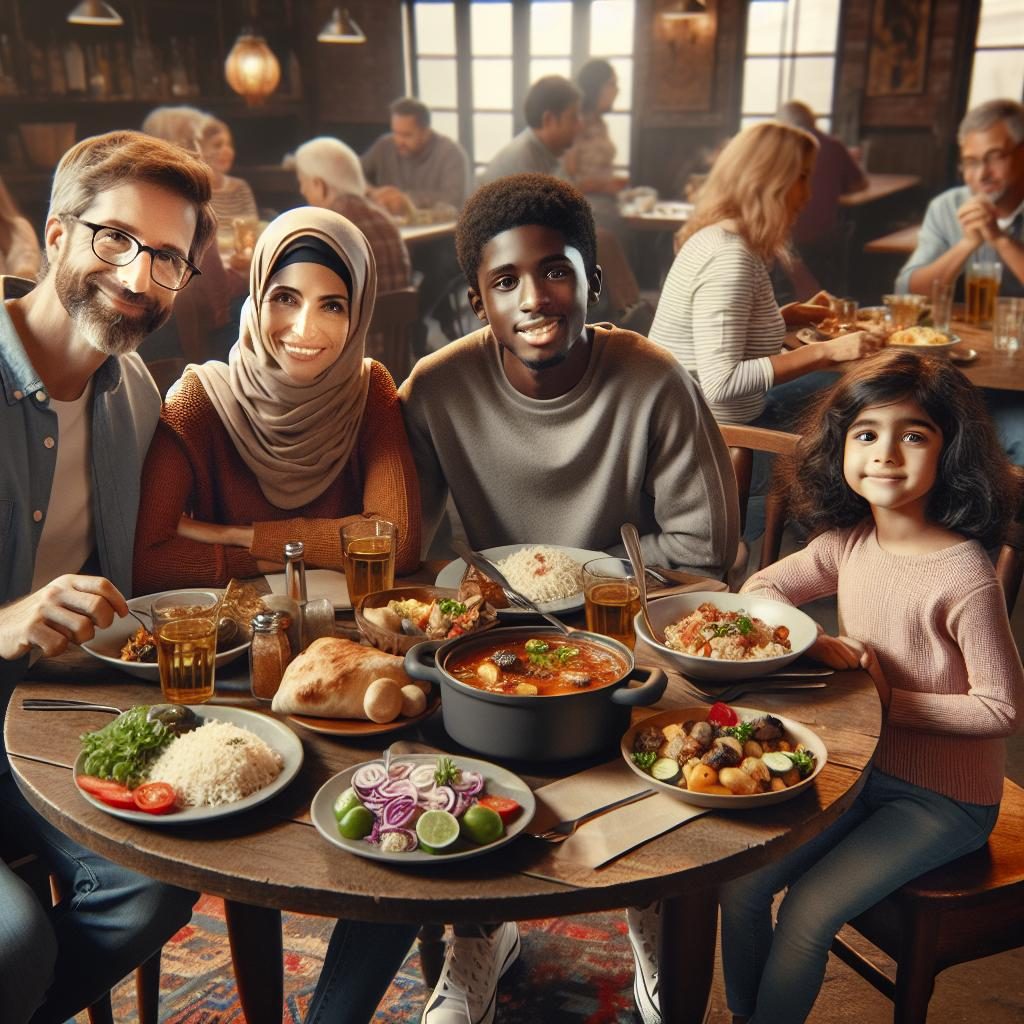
(738, 689)
(560, 832)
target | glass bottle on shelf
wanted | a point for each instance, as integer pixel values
(99, 72)
(57, 81)
(74, 68)
(145, 68)
(38, 69)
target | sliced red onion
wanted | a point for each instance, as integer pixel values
(468, 782)
(400, 769)
(439, 798)
(368, 776)
(422, 776)
(396, 787)
(462, 802)
(398, 811)
(390, 837)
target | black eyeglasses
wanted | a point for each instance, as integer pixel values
(118, 248)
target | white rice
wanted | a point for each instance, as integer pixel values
(218, 763)
(543, 573)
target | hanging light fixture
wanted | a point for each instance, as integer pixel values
(685, 9)
(94, 12)
(251, 68)
(341, 28)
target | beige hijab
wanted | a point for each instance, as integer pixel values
(296, 438)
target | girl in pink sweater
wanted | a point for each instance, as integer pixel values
(903, 485)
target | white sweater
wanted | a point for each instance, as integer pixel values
(633, 441)
(718, 316)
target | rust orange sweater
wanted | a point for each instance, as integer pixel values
(193, 468)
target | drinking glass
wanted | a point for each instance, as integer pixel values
(942, 305)
(368, 550)
(185, 633)
(982, 287)
(1008, 325)
(904, 310)
(845, 311)
(611, 598)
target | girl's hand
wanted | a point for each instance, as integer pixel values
(834, 651)
(852, 346)
(215, 533)
(869, 662)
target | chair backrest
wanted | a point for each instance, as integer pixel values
(743, 441)
(391, 331)
(1010, 561)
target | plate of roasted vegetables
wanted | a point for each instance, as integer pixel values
(128, 645)
(725, 757)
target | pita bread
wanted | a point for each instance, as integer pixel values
(333, 678)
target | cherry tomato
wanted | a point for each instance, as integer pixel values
(505, 807)
(722, 714)
(155, 798)
(107, 791)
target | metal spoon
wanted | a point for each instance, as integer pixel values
(632, 541)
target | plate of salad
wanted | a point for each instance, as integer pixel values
(422, 808)
(725, 757)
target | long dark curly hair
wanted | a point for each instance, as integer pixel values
(975, 492)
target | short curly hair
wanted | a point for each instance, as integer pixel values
(975, 491)
(516, 201)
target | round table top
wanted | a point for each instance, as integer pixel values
(272, 856)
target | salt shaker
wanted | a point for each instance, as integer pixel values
(295, 582)
(269, 653)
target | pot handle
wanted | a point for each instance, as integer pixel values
(650, 690)
(420, 662)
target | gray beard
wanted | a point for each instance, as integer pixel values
(110, 333)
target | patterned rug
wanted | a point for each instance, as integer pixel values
(575, 970)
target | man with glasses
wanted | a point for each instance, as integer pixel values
(129, 219)
(984, 217)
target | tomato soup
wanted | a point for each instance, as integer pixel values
(544, 667)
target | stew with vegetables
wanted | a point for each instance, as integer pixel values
(538, 667)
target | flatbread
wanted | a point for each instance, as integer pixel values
(330, 679)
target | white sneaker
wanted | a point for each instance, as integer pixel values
(467, 990)
(644, 929)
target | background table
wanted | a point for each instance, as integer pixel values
(270, 858)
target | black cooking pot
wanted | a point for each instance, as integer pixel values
(533, 728)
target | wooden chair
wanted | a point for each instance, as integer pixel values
(33, 871)
(390, 339)
(970, 908)
(743, 441)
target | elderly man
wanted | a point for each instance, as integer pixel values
(552, 110)
(129, 220)
(331, 176)
(414, 165)
(984, 217)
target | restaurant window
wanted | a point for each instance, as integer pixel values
(790, 55)
(472, 63)
(998, 71)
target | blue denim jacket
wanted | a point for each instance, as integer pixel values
(125, 410)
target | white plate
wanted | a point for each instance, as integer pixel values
(451, 576)
(498, 781)
(320, 583)
(794, 731)
(274, 733)
(107, 643)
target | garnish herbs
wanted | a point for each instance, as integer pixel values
(644, 759)
(446, 771)
(539, 652)
(448, 606)
(124, 749)
(803, 759)
(742, 732)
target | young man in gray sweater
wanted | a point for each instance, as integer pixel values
(546, 430)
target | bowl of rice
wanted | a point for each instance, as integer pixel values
(724, 637)
(550, 574)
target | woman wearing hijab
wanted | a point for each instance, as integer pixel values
(296, 435)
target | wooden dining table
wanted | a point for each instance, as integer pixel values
(271, 858)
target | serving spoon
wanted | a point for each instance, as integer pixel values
(631, 539)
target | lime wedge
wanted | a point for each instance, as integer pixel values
(437, 830)
(345, 802)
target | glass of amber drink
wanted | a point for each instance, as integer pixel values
(368, 551)
(185, 634)
(611, 598)
(981, 288)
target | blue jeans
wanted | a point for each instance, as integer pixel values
(893, 832)
(54, 961)
(362, 958)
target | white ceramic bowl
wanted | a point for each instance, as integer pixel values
(107, 643)
(795, 732)
(666, 610)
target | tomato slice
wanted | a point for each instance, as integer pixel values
(722, 714)
(505, 807)
(108, 791)
(155, 798)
